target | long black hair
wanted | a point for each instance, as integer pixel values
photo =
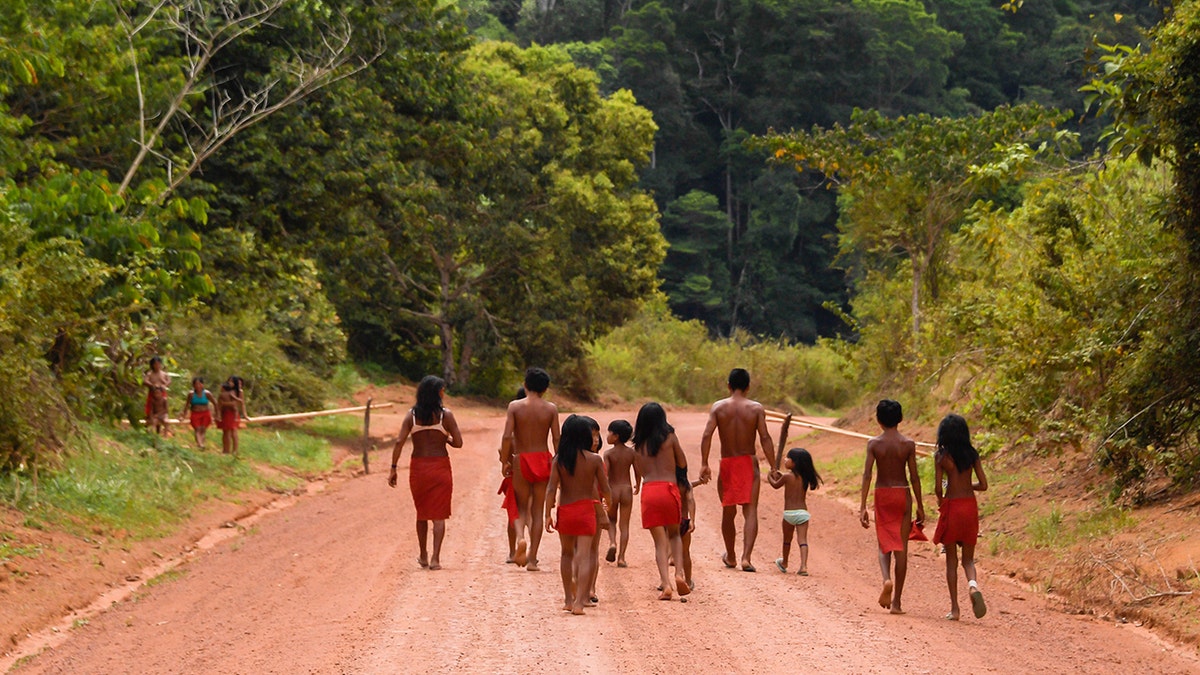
(575, 438)
(651, 429)
(428, 409)
(802, 466)
(954, 438)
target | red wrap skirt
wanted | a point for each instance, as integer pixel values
(229, 420)
(736, 479)
(958, 522)
(431, 483)
(201, 419)
(535, 466)
(891, 508)
(661, 504)
(577, 518)
(510, 498)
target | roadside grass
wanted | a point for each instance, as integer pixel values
(335, 427)
(291, 448)
(166, 577)
(10, 548)
(142, 486)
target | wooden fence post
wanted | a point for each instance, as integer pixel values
(366, 445)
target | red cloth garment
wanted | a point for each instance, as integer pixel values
(661, 504)
(431, 483)
(958, 521)
(535, 466)
(201, 419)
(917, 533)
(510, 498)
(891, 507)
(229, 420)
(577, 518)
(736, 479)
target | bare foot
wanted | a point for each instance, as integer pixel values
(422, 562)
(885, 596)
(681, 586)
(435, 565)
(895, 610)
(520, 558)
(977, 604)
(612, 554)
(591, 602)
(622, 563)
(577, 611)
(665, 595)
(531, 566)
(725, 559)
(952, 616)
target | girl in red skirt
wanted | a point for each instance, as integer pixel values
(580, 477)
(433, 429)
(958, 513)
(199, 403)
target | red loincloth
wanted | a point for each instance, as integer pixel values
(736, 479)
(535, 466)
(891, 506)
(510, 499)
(431, 483)
(577, 518)
(661, 504)
(917, 533)
(201, 419)
(229, 420)
(958, 522)
(150, 401)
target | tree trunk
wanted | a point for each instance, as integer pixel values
(448, 373)
(917, 273)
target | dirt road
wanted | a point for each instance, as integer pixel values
(331, 585)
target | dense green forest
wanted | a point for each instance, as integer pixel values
(979, 205)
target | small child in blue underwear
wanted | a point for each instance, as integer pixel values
(801, 477)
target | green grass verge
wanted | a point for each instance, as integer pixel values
(143, 486)
(336, 427)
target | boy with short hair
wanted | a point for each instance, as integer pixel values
(619, 459)
(893, 453)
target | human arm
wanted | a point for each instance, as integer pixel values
(554, 431)
(637, 477)
(605, 488)
(506, 443)
(868, 469)
(691, 511)
(551, 498)
(914, 479)
(677, 449)
(706, 444)
(982, 485)
(405, 430)
(451, 426)
(776, 479)
(764, 438)
(938, 475)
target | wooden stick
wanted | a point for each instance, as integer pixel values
(315, 413)
(779, 416)
(366, 437)
(783, 434)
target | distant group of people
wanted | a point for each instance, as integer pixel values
(578, 491)
(200, 405)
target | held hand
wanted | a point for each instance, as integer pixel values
(774, 474)
(864, 519)
(705, 473)
(506, 470)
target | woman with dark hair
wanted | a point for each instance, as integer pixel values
(433, 428)
(958, 512)
(231, 407)
(578, 474)
(658, 455)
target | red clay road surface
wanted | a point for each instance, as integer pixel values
(331, 585)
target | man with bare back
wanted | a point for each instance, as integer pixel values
(738, 420)
(892, 453)
(525, 455)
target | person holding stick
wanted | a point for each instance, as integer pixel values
(892, 452)
(658, 456)
(578, 475)
(433, 428)
(801, 477)
(525, 455)
(958, 512)
(738, 420)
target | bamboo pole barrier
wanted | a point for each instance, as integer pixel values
(777, 416)
(306, 415)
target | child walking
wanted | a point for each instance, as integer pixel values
(801, 477)
(958, 512)
(578, 475)
(618, 460)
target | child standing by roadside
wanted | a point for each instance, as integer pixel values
(200, 403)
(958, 517)
(801, 477)
(230, 407)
